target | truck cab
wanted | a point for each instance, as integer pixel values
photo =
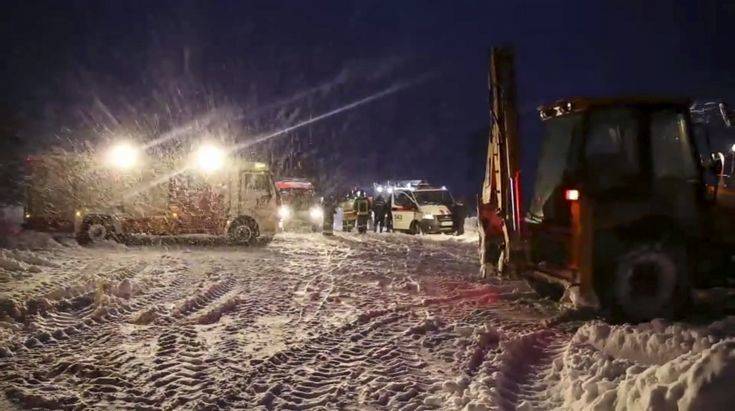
(300, 206)
(422, 209)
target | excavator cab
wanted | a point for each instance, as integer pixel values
(619, 208)
(625, 215)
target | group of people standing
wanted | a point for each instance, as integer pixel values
(363, 208)
(383, 217)
(381, 213)
(379, 208)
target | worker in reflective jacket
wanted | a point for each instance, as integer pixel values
(362, 209)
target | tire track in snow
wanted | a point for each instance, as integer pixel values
(104, 351)
(309, 322)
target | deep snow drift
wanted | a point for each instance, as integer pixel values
(357, 322)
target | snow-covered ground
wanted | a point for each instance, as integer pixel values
(358, 322)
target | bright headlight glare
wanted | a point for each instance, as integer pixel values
(210, 158)
(122, 155)
(428, 216)
(284, 212)
(316, 213)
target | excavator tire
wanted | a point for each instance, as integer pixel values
(649, 281)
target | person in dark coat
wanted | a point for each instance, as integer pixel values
(379, 213)
(459, 213)
(330, 207)
(388, 216)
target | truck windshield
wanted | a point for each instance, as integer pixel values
(433, 197)
(553, 161)
(298, 197)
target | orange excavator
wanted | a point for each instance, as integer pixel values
(621, 215)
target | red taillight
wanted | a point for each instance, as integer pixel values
(571, 195)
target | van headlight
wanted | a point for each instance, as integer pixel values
(428, 216)
(284, 212)
(316, 213)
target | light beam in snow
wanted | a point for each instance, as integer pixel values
(350, 106)
(347, 107)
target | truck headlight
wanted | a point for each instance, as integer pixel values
(316, 213)
(122, 156)
(428, 216)
(210, 158)
(284, 212)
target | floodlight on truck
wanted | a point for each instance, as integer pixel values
(209, 158)
(122, 156)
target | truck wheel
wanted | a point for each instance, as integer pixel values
(93, 230)
(651, 281)
(244, 231)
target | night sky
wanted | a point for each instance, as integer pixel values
(81, 73)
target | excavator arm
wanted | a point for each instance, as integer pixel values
(499, 207)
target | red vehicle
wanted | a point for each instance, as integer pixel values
(300, 206)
